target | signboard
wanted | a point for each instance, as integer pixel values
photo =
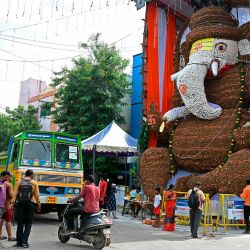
(40, 136)
(64, 138)
(51, 199)
(72, 156)
(235, 210)
(182, 208)
(73, 152)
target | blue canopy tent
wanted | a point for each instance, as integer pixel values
(111, 141)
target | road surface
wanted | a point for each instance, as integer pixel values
(129, 233)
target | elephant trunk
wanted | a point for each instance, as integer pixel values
(190, 83)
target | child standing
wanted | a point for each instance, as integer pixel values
(157, 206)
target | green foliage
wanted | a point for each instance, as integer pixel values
(90, 94)
(144, 138)
(46, 109)
(132, 171)
(16, 121)
(103, 165)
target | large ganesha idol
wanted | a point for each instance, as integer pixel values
(208, 124)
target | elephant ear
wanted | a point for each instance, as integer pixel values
(244, 43)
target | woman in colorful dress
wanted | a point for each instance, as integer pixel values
(111, 200)
(169, 197)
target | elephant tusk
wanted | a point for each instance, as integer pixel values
(215, 67)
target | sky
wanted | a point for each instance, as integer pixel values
(38, 37)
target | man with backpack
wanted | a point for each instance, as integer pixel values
(26, 196)
(196, 199)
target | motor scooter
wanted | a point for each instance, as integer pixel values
(93, 228)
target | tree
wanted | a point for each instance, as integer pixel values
(16, 121)
(90, 94)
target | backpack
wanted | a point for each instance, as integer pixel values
(25, 191)
(193, 201)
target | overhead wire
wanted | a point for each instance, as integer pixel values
(44, 22)
(39, 41)
(37, 64)
(130, 34)
(41, 60)
(37, 45)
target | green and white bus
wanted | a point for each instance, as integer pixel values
(55, 158)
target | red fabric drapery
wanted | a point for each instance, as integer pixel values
(152, 63)
(153, 94)
(168, 85)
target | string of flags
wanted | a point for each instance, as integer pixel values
(57, 17)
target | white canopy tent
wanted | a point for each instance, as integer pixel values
(111, 141)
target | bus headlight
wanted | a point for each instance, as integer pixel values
(77, 191)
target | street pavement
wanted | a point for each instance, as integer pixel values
(129, 233)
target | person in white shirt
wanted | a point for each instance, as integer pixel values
(157, 206)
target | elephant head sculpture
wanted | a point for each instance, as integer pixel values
(212, 51)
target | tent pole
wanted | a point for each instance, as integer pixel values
(94, 149)
(125, 171)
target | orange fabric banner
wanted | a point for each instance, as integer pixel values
(152, 139)
(152, 63)
(152, 56)
(153, 94)
(168, 86)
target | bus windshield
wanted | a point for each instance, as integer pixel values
(36, 153)
(67, 156)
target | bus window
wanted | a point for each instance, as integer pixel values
(67, 156)
(36, 153)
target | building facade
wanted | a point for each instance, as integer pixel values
(30, 88)
(136, 103)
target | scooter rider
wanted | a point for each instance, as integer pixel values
(91, 195)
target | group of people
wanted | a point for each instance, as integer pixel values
(169, 207)
(23, 200)
(196, 199)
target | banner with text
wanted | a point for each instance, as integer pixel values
(235, 210)
(182, 208)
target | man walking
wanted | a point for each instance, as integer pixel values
(246, 197)
(7, 214)
(26, 195)
(196, 199)
(3, 178)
